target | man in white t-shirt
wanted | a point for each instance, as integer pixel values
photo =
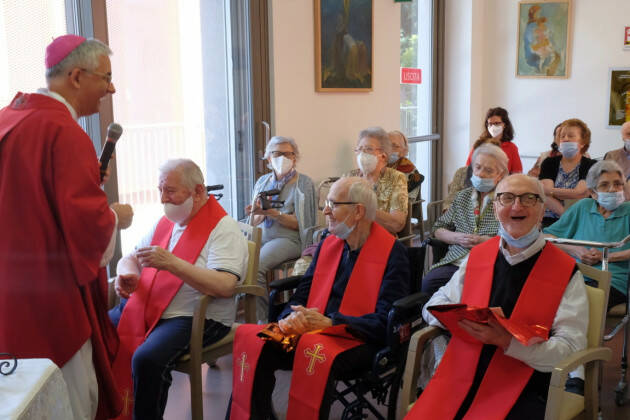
(195, 249)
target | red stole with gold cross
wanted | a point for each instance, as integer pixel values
(155, 291)
(316, 352)
(505, 377)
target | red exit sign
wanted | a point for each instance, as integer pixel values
(410, 76)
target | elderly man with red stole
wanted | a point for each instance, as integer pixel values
(196, 249)
(58, 232)
(486, 373)
(339, 310)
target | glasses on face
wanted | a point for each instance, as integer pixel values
(526, 199)
(277, 154)
(370, 150)
(106, 77)
(605, 186)
(334, 204)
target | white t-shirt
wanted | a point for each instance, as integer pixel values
(225, 250)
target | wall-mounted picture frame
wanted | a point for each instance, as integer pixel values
(344, 47)
(619, 96)
(545, 29)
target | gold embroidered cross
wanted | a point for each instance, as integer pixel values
(243, 364)
(127, 402)
(315, 356)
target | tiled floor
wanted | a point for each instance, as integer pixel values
(218, 382)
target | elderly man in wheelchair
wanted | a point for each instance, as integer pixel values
(337, 319)
(487, 371)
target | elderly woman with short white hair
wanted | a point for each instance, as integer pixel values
(605, 217)
(470, 220)
(284, 227)
(372, 154)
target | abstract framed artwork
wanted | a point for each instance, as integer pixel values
(619, 99)
(544, 38)
(344, 33)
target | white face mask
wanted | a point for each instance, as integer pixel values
(281, 165)
(626, 144)
(177, 213)
(367, 162)
(495, 130)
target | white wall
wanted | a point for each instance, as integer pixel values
(326, 125)
(484, 69)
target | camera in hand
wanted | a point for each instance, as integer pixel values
(267, 202)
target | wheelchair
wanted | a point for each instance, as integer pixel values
(383, 380)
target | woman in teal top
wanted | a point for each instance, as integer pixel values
(603, 218)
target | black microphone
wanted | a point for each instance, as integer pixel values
(214, 187)
(114, 131)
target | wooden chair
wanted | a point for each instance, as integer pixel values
(190, 363)
(560, 404)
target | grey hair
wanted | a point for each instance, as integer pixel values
(493, 151)
(361, 191)
(190, 172)
(281, 140)
(598, 169)
(84, 56)
(380, 135)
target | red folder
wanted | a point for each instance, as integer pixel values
(449, 315)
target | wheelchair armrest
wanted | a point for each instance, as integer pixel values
(434, 242)
(286, 283)
(411, 301)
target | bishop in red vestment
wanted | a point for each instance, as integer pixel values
(56, 227)
(486, 373)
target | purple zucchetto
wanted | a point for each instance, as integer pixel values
(61, 47)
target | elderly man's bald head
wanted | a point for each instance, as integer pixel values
(356, 190)
(521, 180)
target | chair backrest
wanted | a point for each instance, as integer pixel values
(254, 239)
(434, 211)
(597, 303)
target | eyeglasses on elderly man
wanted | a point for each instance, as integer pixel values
(526, 199)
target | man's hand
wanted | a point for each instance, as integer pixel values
(156, 257)
(126, 284)
(124, 213)
(490, 333)
(303, 320)
(588, 256)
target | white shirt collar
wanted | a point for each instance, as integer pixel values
(528, 252)
(55, 95)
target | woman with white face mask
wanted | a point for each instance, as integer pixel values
(372, 156)
(564, 176)
(470, 220)
(605, 217)
(283, 225)
(498, 126)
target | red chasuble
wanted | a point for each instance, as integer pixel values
(155, 291)
(55, 225)
(316, 352)
(506, 376)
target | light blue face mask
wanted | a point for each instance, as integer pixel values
(393, 157)
(482, 184)
(342, 230)
(626, 144)
(522, 242)
(610, 200)
(568, 148)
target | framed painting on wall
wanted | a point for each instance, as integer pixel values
(619, 100)
(344, 45)
(544, 38)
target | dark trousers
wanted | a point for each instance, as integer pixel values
(437, 278)
(153, 360)
(348, 364)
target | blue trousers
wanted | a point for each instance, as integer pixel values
(153, 360)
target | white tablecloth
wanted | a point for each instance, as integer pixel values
(36, 390)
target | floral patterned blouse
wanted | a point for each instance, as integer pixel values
(391, 190)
